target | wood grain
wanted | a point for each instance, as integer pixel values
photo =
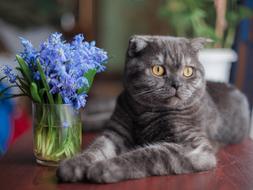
(18, 171)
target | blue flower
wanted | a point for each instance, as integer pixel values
(12, 77)
(78, 40)
(81, 81)
(55, 38)
(29, 54)
(36, 76)
(65, 65)
(65, 124)
(79, 101)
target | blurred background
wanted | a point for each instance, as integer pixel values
(110, 23)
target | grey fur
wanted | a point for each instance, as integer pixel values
(162, 125)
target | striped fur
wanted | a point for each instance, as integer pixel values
(158, 130)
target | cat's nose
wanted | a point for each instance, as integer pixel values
(176, 84)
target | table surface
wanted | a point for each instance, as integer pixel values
(18, 170)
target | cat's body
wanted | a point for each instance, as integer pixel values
(164, 122)
(221, 123)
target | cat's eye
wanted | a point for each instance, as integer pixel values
(188, 71)
(158, 70)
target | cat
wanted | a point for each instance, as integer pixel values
(168, 119)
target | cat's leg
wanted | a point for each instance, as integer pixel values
(115, 140)
(159, 159)
(108, 145)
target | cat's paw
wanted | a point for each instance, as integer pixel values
(72, 170)
(105, 172)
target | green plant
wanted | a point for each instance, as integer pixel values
(57, 131)
(57, 78)
(193, 18)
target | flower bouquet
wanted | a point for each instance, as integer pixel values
(57, 78)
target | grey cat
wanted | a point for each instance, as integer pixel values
(168, 120)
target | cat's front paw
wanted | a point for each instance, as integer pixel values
(105, 172)
(72, 170)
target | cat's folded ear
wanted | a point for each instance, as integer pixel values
(199, 43)
(136, 45)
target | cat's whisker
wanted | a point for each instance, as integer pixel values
(143, 92)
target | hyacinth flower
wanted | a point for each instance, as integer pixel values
(57, 77)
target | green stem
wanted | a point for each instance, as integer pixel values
(6, 89)
(45, 84)
(3, 78)
(53, 141)
(12, 96)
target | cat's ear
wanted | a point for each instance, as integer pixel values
(136, 45)
(199, 43)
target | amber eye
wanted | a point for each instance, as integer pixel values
(157, 70)
(188, 71)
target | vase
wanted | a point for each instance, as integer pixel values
(57, 132)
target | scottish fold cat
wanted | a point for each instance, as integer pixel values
(168, 120)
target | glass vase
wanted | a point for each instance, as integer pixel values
(57, 132)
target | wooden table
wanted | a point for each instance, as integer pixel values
(18, 170)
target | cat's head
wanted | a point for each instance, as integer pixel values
(164, 71)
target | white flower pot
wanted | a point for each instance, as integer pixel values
(217, 63)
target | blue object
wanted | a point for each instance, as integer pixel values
(242, 70)
(5, 123)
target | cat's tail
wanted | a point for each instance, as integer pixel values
(236, 119)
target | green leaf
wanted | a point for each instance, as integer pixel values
(42, 91)
(45, 84)
(90, 77)
(59, 99)
(21, 79)
(35, 93)
(24, 85)
(8, 96)
(24, 68)
(6, 89)
(3, 78)
(20, 70)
